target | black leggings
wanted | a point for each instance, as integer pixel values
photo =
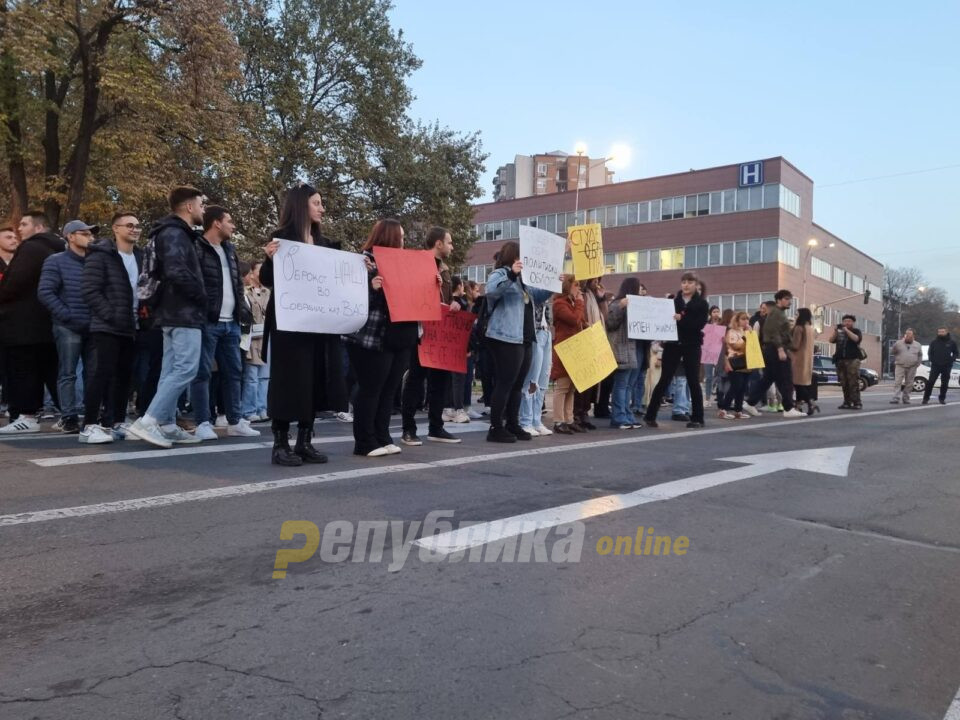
(673, 354)
(733, 399)
(378, 376)
(510, 365)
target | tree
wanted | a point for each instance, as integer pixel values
(909, 302)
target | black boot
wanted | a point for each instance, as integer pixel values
(282, 454)
(304, 448)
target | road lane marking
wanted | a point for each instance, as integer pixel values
(251, 488)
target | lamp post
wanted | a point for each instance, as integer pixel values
(811, 244)
(581, 149)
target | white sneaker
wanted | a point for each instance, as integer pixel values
(461, 417)
(530, 429)
(179, 436)
(449, 415)
(221, 421)
(205, 431)
(794, 413)
(119, 431)
(242, 429)
(543, 430)
(392, 449)
(379, 452)
(95, 435)
(724, 415)
(22, 425)
(707, 404)
(474, 415)
(344, 417)
(751, 410)
(150, 432)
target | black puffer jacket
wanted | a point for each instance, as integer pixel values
(694, 315)
(183, 301)
(107, 291)
(212, 271)
(23, 318)
(942, 351)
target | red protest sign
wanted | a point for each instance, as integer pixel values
(444, 343)
(410, 283)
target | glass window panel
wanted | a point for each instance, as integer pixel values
(703, 204)
(591, 215)
(671, 258)
(691, 205)
(542, 221)
(729, 200)
(643, 212)
(703, 252)
(740, 256)
(643, 261)
(667, 208)
(655, 211)
(621, 215)
(716, 203)
(771, 195)
(562, 222)
(753, 301)
(743, 200)
(715, 254)
(756, 197)
(677, 208)
(532, 222)
(770, 250)
(654, 259)
(690, 256)
(728, 254)
(551, 223)
(754, 251)
(740, 302)
(632, 217)
(609, 263)
(728, 302)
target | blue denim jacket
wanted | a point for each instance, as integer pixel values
(505, 294)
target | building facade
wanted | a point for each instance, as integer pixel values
(747, 230)
(548, 173)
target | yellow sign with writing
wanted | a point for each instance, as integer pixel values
(587, 356)
(754, 353)
(586, 248)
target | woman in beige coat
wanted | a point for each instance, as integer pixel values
(801, 360)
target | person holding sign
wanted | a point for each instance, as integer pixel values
(379, 353)
(625, 351)
(690, 316)
(569, 318)
(307, 367)
(511, 333)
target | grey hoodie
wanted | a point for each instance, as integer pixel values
(908, 356)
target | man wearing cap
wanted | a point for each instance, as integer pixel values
(25, 330)
(61, 292)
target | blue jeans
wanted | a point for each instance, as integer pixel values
(531, 404)
(254, 394)
(181, 359)
(71, 349)
(221, 342)
(623, 380)
(636, 401)
(709, 381)
(681, 395)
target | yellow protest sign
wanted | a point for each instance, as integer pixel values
(754, 353)
(586, 248)
(587, 356)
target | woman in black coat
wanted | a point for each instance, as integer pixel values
(308, 367)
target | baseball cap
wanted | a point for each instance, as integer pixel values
(76, 225)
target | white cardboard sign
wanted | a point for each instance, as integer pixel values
(542, 255)
(650, 318)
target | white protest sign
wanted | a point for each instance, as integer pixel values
(542, 255)
(650, 318)
(319, 290)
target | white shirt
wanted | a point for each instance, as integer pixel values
(130, 263)
(229, 301)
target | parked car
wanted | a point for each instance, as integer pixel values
(923, 376)
(825, 373)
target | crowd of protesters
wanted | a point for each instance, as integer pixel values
(97, 329)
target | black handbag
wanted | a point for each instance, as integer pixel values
(738, 363)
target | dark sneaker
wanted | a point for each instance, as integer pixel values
(70, 426)
(520, 433)
(410, 438)
(442, 436)
(943, 401)
(650, 423)
(562, 429)
(577, 427)
(587, 425)
(694, 425)
(925, 401)
(683, 417)
(501, 435)
(845, 406)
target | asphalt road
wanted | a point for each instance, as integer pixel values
(141, 585)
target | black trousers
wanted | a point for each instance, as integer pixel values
(733, 399)
(941, 371)
(148, 358)
(438, 385)
(29, 369)
(378, 374)
(511, 362)
(805, 393)
(673, 355)
(107, 378)
(777, 371)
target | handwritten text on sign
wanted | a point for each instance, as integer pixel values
(586, 247)
(319, 290)
(587, 357)
(712, 344)
(410, 283)
(650, 318)
(444, 344)
(542, 255)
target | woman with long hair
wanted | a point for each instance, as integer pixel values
(569, 318)
(625, 351)
(801, 358)
(307, 368)
(379, 352)
(735, 367)
(510, 335)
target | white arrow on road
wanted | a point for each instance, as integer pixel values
(828, 461)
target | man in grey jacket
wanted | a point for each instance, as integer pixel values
(907, 356)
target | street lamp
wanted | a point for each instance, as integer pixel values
(811, 244)
(581, 149)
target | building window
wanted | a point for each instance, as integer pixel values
(622, 215)
(666, 206)
(839, 277)
(771, 196)
(716, 203)
(703, 204)
(655, 211)
(690, 256)
(740, 255)
(729, 201)
(551, 225)
(609, 263)
(820, 268)
(703, 252)
(632, 214)
(643, 212)
(715, 256)
(691, 206)
(541, 185)
(728, 254)
(541, 170)
(678, 208)
(789, 201)
(789, 254)
(771, 250)
(754, 251)
(672, 259)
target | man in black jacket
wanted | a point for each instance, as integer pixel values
(691, 315)
(109, 289)
(221, 332)
(181, 312)
(942, 354)
(25, 329)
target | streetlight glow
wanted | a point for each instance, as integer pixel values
(580, 148)
(619, 156)
(813, 242)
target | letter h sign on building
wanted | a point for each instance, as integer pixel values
(751, 173)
